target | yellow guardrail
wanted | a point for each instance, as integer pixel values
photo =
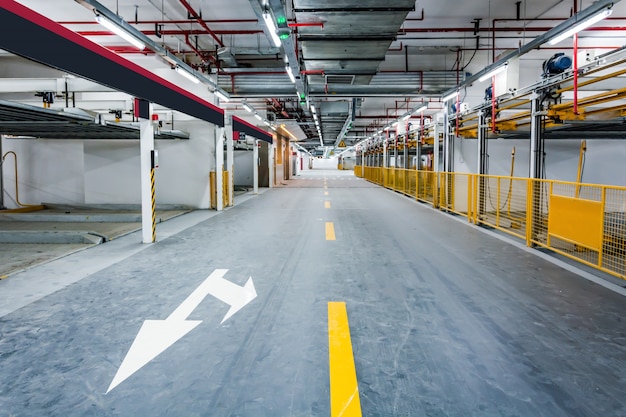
(584, 222)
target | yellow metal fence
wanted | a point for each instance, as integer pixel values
(584, 222)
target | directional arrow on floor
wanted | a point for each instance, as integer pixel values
(155, 336)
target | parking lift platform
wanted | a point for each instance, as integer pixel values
(240, 314)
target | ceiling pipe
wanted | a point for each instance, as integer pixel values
(536, 43)
(195, 15)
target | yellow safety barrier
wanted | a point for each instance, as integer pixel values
(584, 222)
(501, 202)
(213, 186)
(358, 171)
(456, 194)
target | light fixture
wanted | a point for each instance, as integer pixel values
(221, 95)
(247, 107)
(313, 108)
(120, 32)
(186, 74)
(406, 117)
(421, 108)
(271, 27)
(257, 116)
(493, 72)
(581, 26)
(450, 96)
(290, 73)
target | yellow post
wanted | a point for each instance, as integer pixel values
(579, 175)
(529, 211)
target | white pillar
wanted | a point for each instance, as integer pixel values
(146, 146)
(219, 167)
(230, 161)
(255, 168)
(270, 162)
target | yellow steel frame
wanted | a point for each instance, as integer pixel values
(584, 222)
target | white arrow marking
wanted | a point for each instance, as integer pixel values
(155, 336)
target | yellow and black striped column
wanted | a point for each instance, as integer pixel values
(153, 194)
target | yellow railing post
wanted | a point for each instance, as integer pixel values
(529, 211)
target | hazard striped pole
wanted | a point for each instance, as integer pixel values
(153, 193)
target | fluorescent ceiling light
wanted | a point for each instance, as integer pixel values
(257, 116)
(406, 117)
(187, 75)
(421, 108)
(313, 108)
(581, 26)
(221, 95)
(290, 73)
(450, 96)
(271, 27)
(493, 72)
(120, 32)
(247, 107)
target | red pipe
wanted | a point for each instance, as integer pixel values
(575, 53)
(200, 21)
(311, 24)
(200, 54)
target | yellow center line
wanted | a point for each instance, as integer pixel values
(330, 231)
(326, 204)
(344, 389)
(325, 192)
(4, 276)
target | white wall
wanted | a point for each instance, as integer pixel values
(244, 161)
(604, 159)
(48, 171)
(107, 172)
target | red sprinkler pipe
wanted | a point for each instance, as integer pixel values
(195, 15)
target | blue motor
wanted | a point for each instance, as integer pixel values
(556, 65)
(488, 94)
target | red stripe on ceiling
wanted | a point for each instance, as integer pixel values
(40, 20)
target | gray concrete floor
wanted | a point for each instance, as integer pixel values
(49, 234)
(445, 319)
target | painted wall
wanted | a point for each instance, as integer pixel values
(243, 161)
(107, 172)
(604, 159)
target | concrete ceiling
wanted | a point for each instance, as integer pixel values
(389, 55)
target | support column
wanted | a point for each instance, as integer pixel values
(2, 207)
(438, 133)
(271, 162)
(536, 141)
(255, 168)
(385, 154)
(230, 161)
(219, 167)
(448, 145)
(536, 166)
(482, 161)
(143, 110)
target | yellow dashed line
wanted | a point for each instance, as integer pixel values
(330, 231)
(344, 389)
(325, 192)
(326, 204)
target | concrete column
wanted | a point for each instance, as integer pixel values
(255, 168)
(271, 162)
(146, 147)
(230, 160)
(1, 177)
(219, 166)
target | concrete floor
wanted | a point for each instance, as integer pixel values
(445, 319)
